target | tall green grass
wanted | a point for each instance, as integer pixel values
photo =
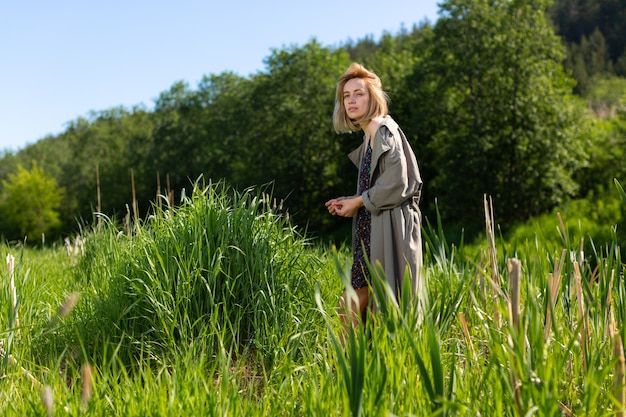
(220, 307)
(224, 270)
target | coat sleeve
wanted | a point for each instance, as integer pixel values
(394, 184)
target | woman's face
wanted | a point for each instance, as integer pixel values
(356, 98)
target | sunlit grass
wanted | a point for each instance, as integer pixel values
(220, 307)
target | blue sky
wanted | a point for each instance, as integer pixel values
(62, 59)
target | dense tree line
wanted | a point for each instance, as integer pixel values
(593, 33)
(484, 95)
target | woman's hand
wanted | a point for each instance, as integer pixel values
(344, 206)
(334, 204)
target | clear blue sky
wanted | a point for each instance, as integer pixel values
(61, 59)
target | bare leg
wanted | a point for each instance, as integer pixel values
(352, 315)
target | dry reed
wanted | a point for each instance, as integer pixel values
(466, 333)
(582, 316)
(87, 390)
(554, 283)
(47, 397)
(12, 290)
(515, 272)
(493, 260)
(619, 383)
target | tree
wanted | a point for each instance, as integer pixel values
(111, 140)
(176, 137)
(8, 164)
(502, 120)
(30, 204)
(362, 49)
(588, 60)
(607, 150)
(399, 62)
(226, 99)
(394, 61)
(576, 20)
(291, 140)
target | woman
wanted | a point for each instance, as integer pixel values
(386, 218)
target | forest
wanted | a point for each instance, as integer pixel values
(522, 101)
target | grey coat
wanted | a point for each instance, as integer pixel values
(393, 197)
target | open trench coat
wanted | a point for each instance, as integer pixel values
(393, 197)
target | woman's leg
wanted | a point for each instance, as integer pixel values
(352, 314)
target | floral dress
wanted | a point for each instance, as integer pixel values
(360, 273)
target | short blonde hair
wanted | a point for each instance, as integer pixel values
(378, 103)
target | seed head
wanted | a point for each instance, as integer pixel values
(69, 304)
(48, 400)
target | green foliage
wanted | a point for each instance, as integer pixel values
(110, 144)
(502, 104)
(174, 148)
(9, 164)
(607, 96)
(588, 60)
(394, 61)
(29, 204)
(588, 24)
(590, 222)
(291, 140)
(361, 50)
(211, 272)
(607, 140)
(221, 150)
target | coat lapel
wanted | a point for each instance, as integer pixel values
(381, 145)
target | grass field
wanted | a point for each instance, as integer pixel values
(220, 307)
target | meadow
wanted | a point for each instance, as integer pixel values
(220, 307)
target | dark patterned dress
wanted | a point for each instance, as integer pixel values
(360, 273)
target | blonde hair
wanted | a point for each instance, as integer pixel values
(378, 103)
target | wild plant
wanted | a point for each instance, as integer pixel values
(222, 269)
